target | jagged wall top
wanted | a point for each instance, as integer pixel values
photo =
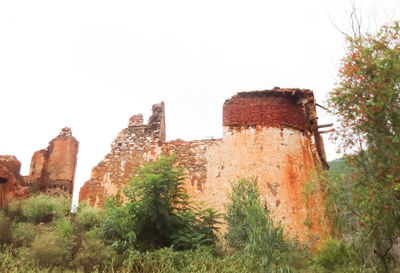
(137, 132)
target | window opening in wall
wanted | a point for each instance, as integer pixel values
(3, 180)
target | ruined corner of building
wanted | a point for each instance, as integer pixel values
(52, 171)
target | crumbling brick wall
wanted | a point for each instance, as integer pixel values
(268, 136)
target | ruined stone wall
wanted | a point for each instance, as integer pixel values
(134, 146)
(11, 182)
(268, 136)
(53, 169)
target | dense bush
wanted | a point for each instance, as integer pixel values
(22, 234)
(50, 249)
(201, 260)
(244, 192)
(250, 227)
(332, 254)
(14, 211)
(43, 208)
(87, 217)
(92, 253)
(64, 227)
(14, 262)
(158, 212)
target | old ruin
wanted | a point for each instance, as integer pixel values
(11, 182)
(271, 136)
(52, 170)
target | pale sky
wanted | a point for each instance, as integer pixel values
(90, 65)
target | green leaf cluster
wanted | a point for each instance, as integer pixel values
(158, 213)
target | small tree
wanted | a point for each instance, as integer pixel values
(158, 212)
(367, 102)
(157, 201)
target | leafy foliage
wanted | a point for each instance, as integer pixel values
(157, 203)
(250, 227)
(22, 233)
(93, 253)
(50, 249)
(87, 217)
(332, 254)
(367, 101)
(43, 208)
(158, 212)
(64, 227)
(116, 226)
(244, 193)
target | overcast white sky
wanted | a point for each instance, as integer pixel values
(90, 65)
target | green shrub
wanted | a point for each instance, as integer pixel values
(251, 228)
(13, 262)
(201, 260)
(87, 217)
(43, 208)
(161, 260)
(64, 227)
(93, 253)
(22, 234)
(63, 206)
(332, 254)
(116, 227)
(157, 213)
(50, 249)
(39, 208)
(243, 193)
(14, 211)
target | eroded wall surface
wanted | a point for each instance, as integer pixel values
(134, 146)
(269, 136)
(11, 183)
(53, 169)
